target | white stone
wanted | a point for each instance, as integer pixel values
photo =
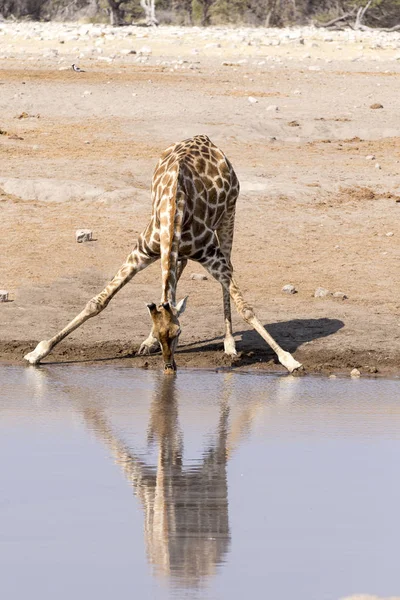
(273, 107)
(198, 277)
(389, 234)
(252, 100)
(340, 295)
(378, 166)
(355, 373)
(370, 157)
(289, 289)
(3, 296)
(145, 50)
(321, 292)
(83, 235)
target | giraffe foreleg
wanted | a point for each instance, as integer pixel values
(229, 342)
(225, 241)
(151, 343)
(217, 265)
(135, 262)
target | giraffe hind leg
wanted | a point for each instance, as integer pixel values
(217, 265)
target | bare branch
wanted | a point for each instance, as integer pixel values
(336, 20)
(361, 14)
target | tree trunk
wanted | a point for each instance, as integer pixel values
(149, 11)
(116, 15)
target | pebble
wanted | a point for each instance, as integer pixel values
(378, 166)
(321, 292)
(370, 157)
(3, 296)
(341, 295)
(273, 107)
(389, 234)
(83, 235)
(289, 289)
(252, 100)
(198, 277)
(376, 105)
(355, 373)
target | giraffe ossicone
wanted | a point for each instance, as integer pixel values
(194, 193)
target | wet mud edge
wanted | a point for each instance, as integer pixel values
(208, 357)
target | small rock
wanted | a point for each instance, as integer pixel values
(3, 296)
(289, 289)
(273, 107)
(321, 292)
(373, 370)
(355, 373)
(370, 157)
(83, 235)
(341, 295)
(293, 124)
(198, 277)
(252, 100)
(126, 51)
(376, 105)
(332, 376)
(389, 234)
(378, 166)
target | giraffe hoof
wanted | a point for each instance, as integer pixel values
(41, 350)
(291, 364)
(229, 347)
(148, 348)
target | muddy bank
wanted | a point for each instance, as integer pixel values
(211, 356)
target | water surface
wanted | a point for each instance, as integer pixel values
(208, 485)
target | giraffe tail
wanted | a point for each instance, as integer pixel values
(171, 219)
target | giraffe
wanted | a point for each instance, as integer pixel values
(194, 193)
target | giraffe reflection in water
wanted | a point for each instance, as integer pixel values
(186, 519)
(185, 510)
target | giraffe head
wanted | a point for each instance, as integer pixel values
(166, 329)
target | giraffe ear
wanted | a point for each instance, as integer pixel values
(181, 306)
(152, 308)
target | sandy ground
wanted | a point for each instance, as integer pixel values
(78, 150)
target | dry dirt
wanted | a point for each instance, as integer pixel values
(77, 150)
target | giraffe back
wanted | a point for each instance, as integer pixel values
(206, 191)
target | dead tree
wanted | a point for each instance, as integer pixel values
(149, 11)
(360, 15)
